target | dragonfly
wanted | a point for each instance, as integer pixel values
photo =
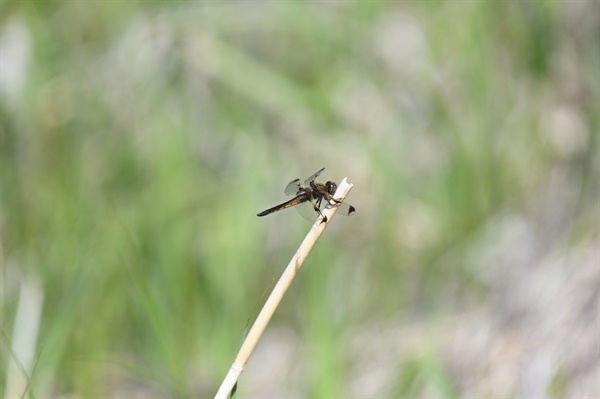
(310, 198)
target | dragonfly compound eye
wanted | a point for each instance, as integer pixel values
(331, 187)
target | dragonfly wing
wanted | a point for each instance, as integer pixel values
(293, 188)
(307, 211)
(313, 177)
(345, 209)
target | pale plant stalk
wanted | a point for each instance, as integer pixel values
(277, 294)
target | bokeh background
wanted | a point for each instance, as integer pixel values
(140, 139)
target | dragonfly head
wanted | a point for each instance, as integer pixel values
(330, 187)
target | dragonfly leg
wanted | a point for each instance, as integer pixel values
(317, 208)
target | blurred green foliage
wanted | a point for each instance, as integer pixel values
(139, 140)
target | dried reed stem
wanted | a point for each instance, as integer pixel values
(277, 294)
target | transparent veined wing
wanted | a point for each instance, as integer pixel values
(307, 211)
(343, 208)
(313, 177)
(293, 188)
